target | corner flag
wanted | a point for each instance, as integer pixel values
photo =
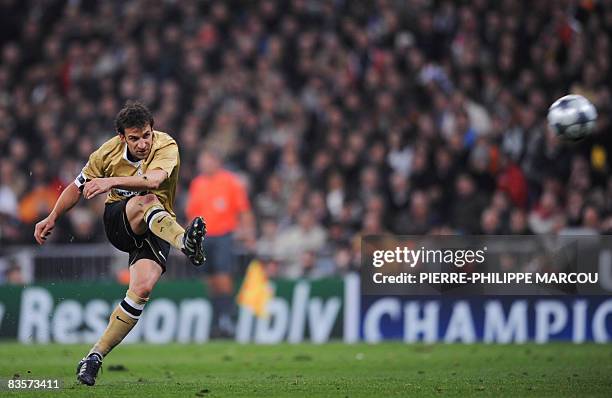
(255, 292)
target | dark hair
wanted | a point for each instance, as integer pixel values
(133, 114)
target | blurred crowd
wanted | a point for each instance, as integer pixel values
(343, 118)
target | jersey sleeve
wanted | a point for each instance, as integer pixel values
(94, 168)
(165, 158)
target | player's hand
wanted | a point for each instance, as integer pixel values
(43, 229)
(96, 186)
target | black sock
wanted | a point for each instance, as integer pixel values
(223, 307)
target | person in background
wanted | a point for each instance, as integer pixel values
(14, 276)
(220, 198)
(11, 272)
(307, 235)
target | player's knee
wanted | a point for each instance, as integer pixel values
(148, 202)
(142, 289)
(138, 205)
(149, 198)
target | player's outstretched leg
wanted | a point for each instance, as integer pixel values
(146, 212)
(121, 322)
(144, 274)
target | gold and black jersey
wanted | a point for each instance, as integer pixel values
(111, 160)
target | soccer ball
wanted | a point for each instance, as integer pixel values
(572, 117)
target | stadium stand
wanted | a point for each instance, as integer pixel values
(342, 117)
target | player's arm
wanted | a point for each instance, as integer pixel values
(69, 197)
(160, 168)
(151, 180)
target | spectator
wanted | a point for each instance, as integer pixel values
(343, 260)
(267, 244)
(543, 217)
(574, 208)
(313, 268)
(13, 275)
(82, 225)
(336, 195)
(518, 223)
(418, 221)
(9, 211)
(469, 203)
(306, 236)
(270, 203)
(511, 180)
(490, 223)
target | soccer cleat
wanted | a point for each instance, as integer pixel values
(192, 241)
(88, 368)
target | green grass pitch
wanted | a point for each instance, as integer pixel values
(331, 370)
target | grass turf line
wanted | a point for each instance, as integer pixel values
(334, 370)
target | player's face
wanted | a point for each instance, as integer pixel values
(139, 141)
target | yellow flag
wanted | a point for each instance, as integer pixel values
(255, 292)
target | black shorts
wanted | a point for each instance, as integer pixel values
(120, 234)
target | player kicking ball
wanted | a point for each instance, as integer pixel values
(138, 170)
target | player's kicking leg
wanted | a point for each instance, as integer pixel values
(146, 212)
(144, 274)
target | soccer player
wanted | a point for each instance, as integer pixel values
(138, 170)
